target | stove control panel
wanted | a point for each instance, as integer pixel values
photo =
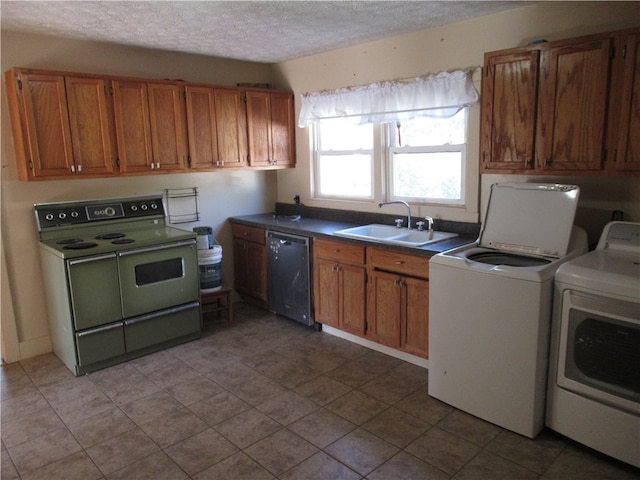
(76, 213)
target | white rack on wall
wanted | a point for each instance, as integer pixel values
(182, 205)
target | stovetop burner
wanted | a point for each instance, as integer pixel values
(110, 236)
(79, 245)
(68, 241)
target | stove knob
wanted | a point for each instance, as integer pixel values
(144, 206)
(49, 216)
(62, 215)
(74, 214)
(154, 206)
(134, 208)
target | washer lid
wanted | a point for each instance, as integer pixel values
(530, 218)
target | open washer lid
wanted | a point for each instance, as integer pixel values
(530, 218)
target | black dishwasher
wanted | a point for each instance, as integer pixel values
(288, 268)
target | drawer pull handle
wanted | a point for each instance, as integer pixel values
(399, 262)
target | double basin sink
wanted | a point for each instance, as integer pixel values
(394, 235)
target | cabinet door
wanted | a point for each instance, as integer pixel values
(326, 292)
(415, 329)
(385, 300)
(91, 125)
(201, 127)
(628, 147)
(46, 125)
(131, 109)
(573, 106)
(353, 298)
(509, 105)
(258, 128)
(250, 268)
(282, 129)
(167, 121)
(231, 127)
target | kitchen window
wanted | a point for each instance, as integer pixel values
(421, 160)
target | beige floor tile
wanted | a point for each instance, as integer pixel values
(43, 450)
(362, 451)
(320, 466)
(352, 374)
(201, 451)
(356, 407)
(168, 371)
(20, 386)
(287, 407)
(488, 465)
(7, 468)
(388, 388)
(248, 427)
(322, 390)
(79, 408)
(403, 466)
(174, 427)
(537, 454)
(443, 450)
(194, 390)
(35, 425)
(154, 467)
(281, 451)
(21, 407)
(238, 466)
(574, 463)
(258, 390)
(396, 427)
(93, 430)
(220, 407)
(470, 428)
(156, 406)
(125, 449)
(322, 427)
(77, 465)
(69, 389)
(427, 408)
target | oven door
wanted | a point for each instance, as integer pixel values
(158, 277)
(600, 349)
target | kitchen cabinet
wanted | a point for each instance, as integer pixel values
(270, 128)
(627, 149)
(398, 300)
(62, 126)
(552, 108)
(150, 126)
(340, 285)
(250, 261)
(217, 131)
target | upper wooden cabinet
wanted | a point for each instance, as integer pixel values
(217, 130)
(68, 125)
(554, 108)
(62, 127)
(270, 128)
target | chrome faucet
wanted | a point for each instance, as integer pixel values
(403, 203)
(429, 221)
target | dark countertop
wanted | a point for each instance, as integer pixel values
(308, 226)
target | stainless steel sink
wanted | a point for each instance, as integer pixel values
(394, 236)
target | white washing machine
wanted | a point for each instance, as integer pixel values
(490, 306)
(594, 375)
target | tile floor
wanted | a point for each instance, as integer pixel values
(262, 399)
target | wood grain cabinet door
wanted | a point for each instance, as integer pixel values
(628, 131)
(282, 129)
(327, 292)
(509, 106)
(46, 125)
(385, 308)
(168, 129)
(415, 329)
(91, 125)
(572, 117)
(201, 128)
(133, 132)
(258, 128)
(231, 127)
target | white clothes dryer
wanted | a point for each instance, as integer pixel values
(490, 306)
(594, 375)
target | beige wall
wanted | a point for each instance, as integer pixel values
(222, 194)
(462, 45)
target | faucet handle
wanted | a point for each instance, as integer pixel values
(420, 225)
(429, 221)
(399, 222)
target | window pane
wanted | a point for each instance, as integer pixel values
(345, 175)
(427, 175)
(341, 135)
(433, 131)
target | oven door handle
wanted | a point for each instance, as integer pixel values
(103, 328)
(161, 313)
(92, 259)
(186, 243)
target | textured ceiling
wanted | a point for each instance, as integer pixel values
(260, 31)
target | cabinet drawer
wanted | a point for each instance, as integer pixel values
(251, 234)
(413, 265)
(339, 251)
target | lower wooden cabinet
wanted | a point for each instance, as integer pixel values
(372, 292)
(250, 261)
(340, 285)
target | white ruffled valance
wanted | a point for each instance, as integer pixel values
(441, 96)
